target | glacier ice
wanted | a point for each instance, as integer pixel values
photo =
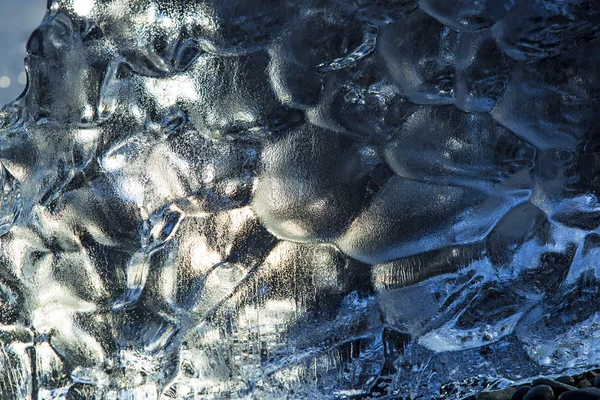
(300, 199)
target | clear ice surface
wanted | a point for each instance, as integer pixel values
(214, 199)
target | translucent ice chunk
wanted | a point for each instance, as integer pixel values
(413, 269)
(481, 72)
(236, 101)
(294, 72)
(581, 212)
(10, 203)
(445, 145)
(29, 154)
(448, 338)
(467, 15)
(363, 50)
(226, 27)
(382, 11)
(15, 359)
(52, 72)
(563, 96)
(309, 190)
(363, 103)
(56, 308)
(156, 232)
(272, 199)
(408, 217)
(151, 168)
(321, 275)
(546, 28)
(137, 273)
(521, 224)
(160, 227)
(420, 54)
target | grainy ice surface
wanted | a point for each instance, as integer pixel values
(300, 199)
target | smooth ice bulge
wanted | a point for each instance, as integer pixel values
(242, 199)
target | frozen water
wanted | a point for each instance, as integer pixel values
(481, 72)
(300, 199)
(464, 15)
(420, 54)
(310, 188)
(444, 145)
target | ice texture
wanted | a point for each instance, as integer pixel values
(300, 199)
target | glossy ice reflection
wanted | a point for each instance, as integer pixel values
(275, 198)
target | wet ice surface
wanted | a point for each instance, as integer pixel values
(306, 199)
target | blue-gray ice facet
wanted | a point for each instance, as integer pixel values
(316, 199)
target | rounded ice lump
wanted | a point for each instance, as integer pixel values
(316, 199)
